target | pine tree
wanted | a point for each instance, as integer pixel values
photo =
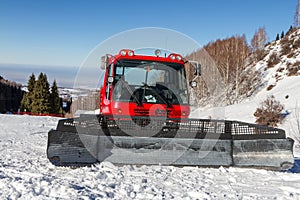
(27, 99)
(277, 37)
(41, 96)
(282, 34)
(55, 100)
(2, 97)
(19, 97)
(291, 29)
(31, 83)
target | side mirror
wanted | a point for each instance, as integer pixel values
(103, 62)
(193, 84)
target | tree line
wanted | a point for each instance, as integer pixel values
(39, 99)
(225, 60)
(228, 60)
(10, 96)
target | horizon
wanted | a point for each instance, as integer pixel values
(64, 77)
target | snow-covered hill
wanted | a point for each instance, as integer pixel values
(25, 173)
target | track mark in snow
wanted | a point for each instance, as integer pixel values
(37, 133)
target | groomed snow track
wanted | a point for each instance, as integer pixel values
(150, 141)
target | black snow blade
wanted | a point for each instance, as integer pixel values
(181, 142)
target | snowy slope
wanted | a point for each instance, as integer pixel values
(287, 92)
(285, 88)
(25, 173)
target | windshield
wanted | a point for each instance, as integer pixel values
(150, 82)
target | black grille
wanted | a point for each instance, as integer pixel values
(139, 126)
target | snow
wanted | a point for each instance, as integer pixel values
(287, 92)
(80, 112)
(26, 173)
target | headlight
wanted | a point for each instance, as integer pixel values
(178, 58)
(130, 53)
(123, 53)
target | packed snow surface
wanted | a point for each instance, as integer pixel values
(26, 173)
(287, 92)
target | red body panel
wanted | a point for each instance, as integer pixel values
(110, 107)
(159, 110)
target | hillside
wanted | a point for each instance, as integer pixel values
(282, 60)
(277, 74)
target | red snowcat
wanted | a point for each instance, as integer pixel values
(144, 120)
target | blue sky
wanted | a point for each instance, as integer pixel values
(63, 32)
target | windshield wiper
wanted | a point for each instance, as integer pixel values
(169, 105)
(154, 91)
(128, 87)
(130, 92)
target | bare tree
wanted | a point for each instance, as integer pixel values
(240, 63)
(270, 112)
(297, 15)
(229, 55)
(258, 43)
